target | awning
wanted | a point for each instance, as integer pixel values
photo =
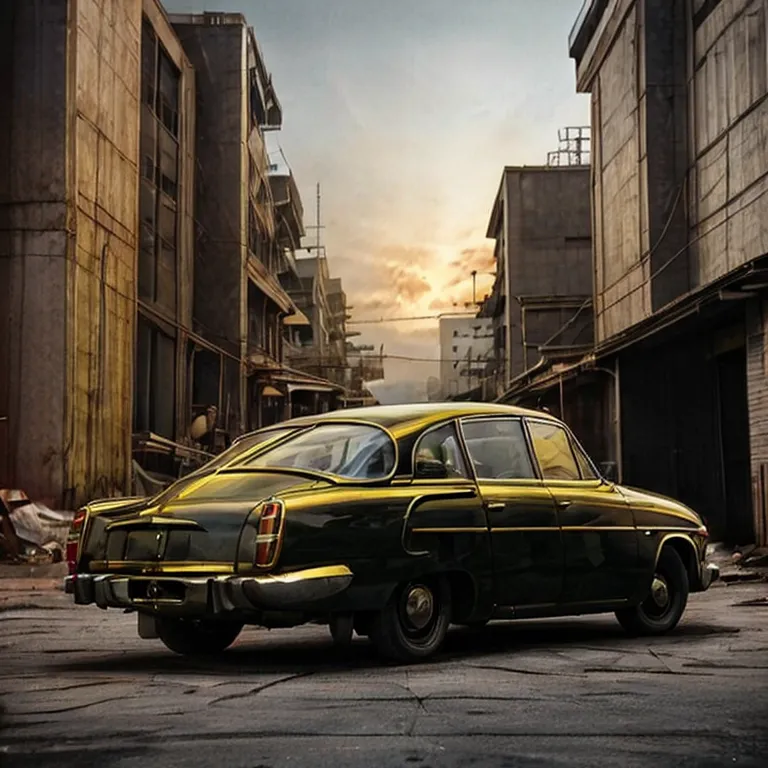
(299, 318)
(269, 391)
(268, 284)
(310, 388)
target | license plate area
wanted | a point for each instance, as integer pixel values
(154, 590)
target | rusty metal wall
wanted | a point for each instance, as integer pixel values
(104, 118)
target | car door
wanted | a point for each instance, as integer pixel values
(597, 523)
(526, 544)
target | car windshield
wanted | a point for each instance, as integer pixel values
(350, 451)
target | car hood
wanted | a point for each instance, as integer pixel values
(654, 502)
(200, 522)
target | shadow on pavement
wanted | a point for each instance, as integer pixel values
(261, 651)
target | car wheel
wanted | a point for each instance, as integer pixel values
(199, 637)
(662, 609)
(414, 622)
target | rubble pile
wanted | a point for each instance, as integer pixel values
(31, 533)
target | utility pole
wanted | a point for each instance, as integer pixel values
(469, 367)
(317, 288)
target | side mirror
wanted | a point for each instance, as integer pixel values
(610, 471)
(430, 468)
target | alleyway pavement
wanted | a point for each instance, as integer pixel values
(78, 687)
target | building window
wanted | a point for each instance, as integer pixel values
(158, 193)
(154, 403)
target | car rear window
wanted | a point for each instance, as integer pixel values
(350, 451)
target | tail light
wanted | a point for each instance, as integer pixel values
(73, 539)
(702, 531)
(269, 534)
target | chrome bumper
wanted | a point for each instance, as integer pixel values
(710, 573)
(209, 594)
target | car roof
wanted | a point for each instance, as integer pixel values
(411, 415)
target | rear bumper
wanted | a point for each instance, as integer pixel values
(708, 574)
(197, 595)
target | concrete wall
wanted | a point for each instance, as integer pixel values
(35, 214)
(549, 247)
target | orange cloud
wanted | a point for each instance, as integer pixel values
(479, 258)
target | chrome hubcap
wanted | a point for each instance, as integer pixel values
(660, 592)
(419, 607)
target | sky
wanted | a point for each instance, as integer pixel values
(406, 112)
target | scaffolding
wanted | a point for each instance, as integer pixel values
(574, 147)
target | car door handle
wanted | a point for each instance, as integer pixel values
(563, 503)
(495, 505)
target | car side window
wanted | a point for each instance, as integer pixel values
(587, 473)
(442, 445)
(498, 449)
(553, 451)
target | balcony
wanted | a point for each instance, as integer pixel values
(289, 210)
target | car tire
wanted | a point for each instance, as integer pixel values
(664, 606)
(201, 637)
(413, 624)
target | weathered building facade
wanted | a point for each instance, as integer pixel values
(164, 339)
(69, 170)
(141, 243)
(680, 196)
(238, 301)
(250, 223)
(541, 301)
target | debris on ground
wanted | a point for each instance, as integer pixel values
(31, 533)
(741, 563)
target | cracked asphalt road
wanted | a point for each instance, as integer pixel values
(78, 687)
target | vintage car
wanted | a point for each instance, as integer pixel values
(391, 522)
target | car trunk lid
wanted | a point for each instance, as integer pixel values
(197, 529)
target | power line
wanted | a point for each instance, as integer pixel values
(410, 318)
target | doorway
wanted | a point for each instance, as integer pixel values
(733, 415)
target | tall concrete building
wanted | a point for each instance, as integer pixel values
(70, 163)
(237, 249)
(541, 303)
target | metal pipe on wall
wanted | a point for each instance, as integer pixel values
(614, 374)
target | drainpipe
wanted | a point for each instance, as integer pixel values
(617, 416)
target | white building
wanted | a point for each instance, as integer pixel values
(466, 346)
